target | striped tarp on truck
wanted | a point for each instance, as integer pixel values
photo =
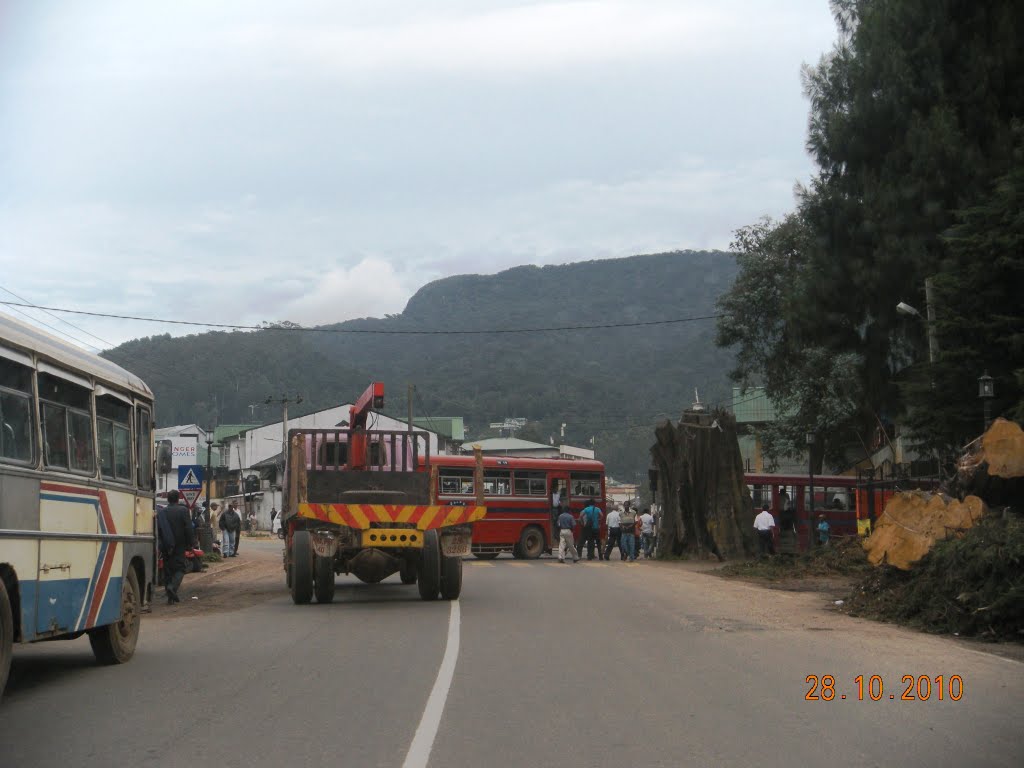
(360, 516)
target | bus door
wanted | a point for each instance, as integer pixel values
(558, 483)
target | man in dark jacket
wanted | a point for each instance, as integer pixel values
(230, 526)
(178, 525)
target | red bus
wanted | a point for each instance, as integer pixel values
(518, 494)
(835, 496)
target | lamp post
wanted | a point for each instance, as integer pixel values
(986, 391)
(810, 471)
(929, 300)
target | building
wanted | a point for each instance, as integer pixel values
(513, 446)
(177, 446)
(752, 409)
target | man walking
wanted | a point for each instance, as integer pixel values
(614, 533)
(763, 524)
(565, 542)
(647, 532)
(627, 522)
(178, 527)
(590, 518)
(230, 526)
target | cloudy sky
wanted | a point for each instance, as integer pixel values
(317, 160)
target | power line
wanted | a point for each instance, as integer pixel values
(59, 319)
(53, 328)
(370, 331)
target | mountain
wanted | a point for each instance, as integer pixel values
(612, 384)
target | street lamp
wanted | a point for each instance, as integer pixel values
(905, 309)
(810, 471)
(986, 391)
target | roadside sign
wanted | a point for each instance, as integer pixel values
(190, 483)
(190, 476)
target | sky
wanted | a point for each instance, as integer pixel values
(242, 161)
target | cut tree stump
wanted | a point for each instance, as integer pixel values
(706, 506)
(993, 466)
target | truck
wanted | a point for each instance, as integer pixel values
(364, 502)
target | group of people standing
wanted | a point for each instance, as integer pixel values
(626, 527)
(177, 531)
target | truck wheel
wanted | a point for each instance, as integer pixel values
(324, 585)
(531, 543)
(115, 643)
(6, 636)
(407, 573)
(302, 568)
(485, 555)
(517, 551)
(429, 571)
(451, 577)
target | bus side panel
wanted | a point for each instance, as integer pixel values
(20, 512)
(106, 605)
(76, 575)
(506, 520)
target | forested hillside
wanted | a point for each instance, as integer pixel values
(612, 384)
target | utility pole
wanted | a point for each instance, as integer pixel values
(412, 390)
(929, 311)
(284, 400)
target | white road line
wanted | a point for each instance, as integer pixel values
(423, 741)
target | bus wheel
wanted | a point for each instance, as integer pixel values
(324, 585)
(429, 571)
(485, 555)
(531, 543)
(302, 568)
(115, 643)
(451, 577)
(407, 573)
(6, 635)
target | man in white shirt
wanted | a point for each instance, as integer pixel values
(763, 524)
(613, 521)
(647, 532)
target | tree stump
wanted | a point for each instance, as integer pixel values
(706, 506)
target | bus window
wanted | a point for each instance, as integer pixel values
(456, 481)
(67, 424)
(113, 418)
(586, 484)
(144, 448)
(15, 411)
(531, 483)
(497, 483)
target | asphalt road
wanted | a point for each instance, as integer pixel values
(586, 665)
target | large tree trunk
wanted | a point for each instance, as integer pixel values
(993, 466)
(706, 506)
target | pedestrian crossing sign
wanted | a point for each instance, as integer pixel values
(190, 476)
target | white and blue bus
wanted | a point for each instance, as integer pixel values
(77, 526)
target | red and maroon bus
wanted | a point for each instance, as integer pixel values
(518, 495)
(835, 496)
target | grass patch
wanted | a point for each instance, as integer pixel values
(212, 557)
(841, 557)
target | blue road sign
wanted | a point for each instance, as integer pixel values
(190, 477)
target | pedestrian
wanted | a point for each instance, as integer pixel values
(647, 532)
(565, 542)
(763, 524)
(614, 533)
(214, 515)
(823, 530)
(590, 518)
(230, 526)
(178, 530)
(237, 542)
(627, 521)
